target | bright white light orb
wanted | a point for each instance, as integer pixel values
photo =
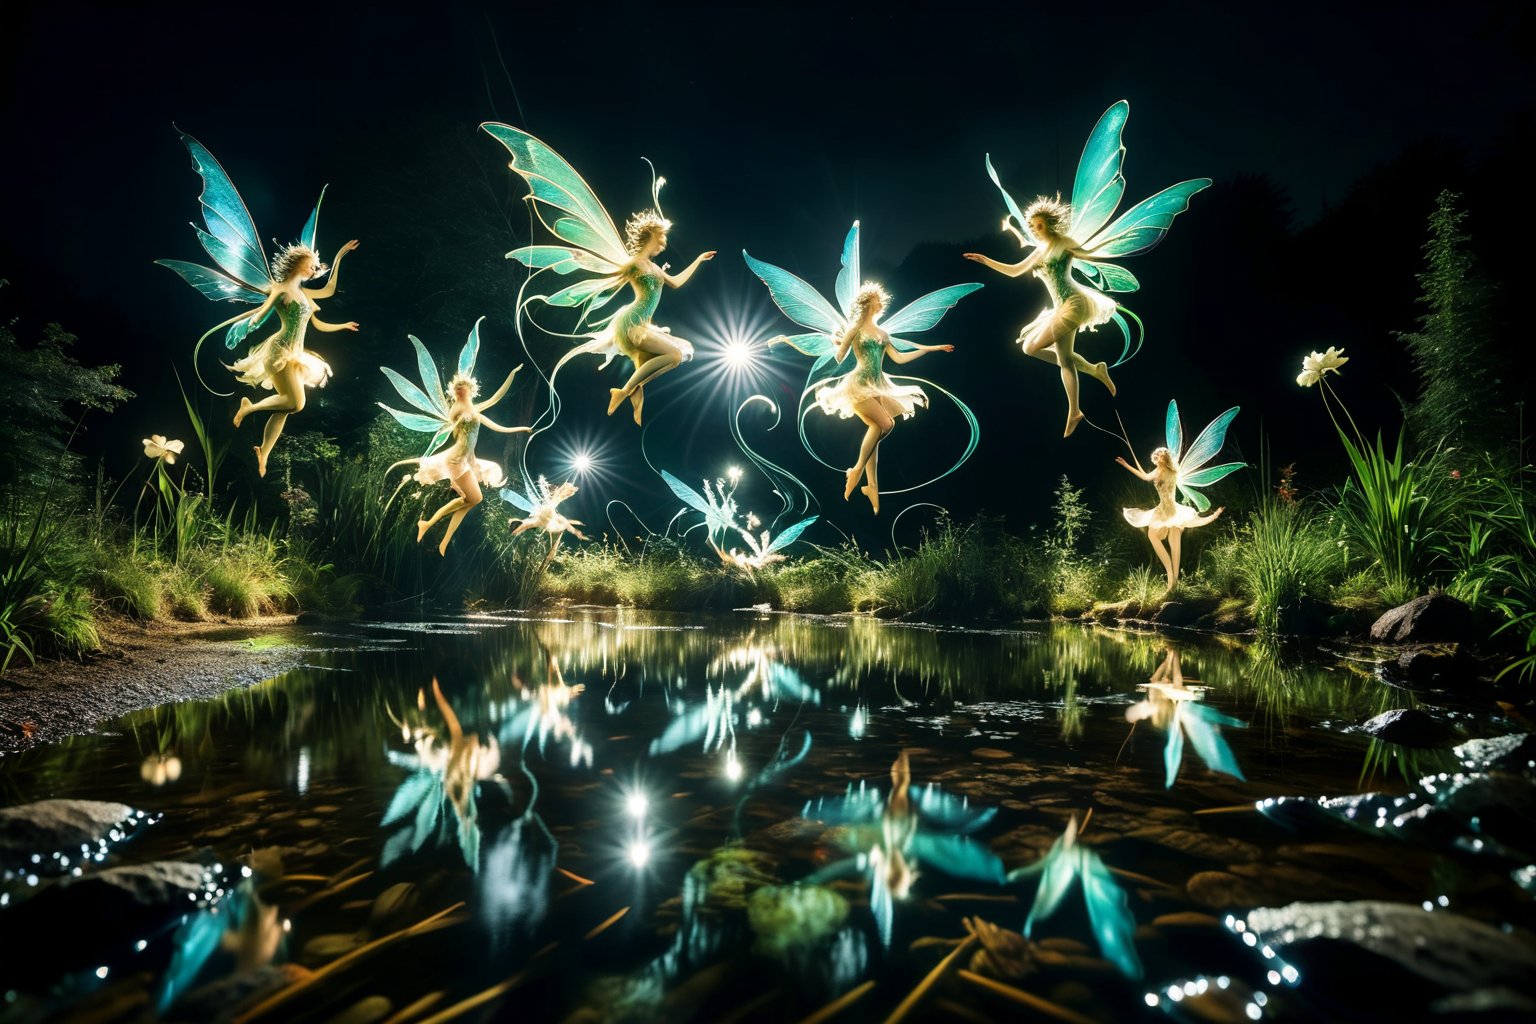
(637, 805)
(638, 853)
(581, 463)
(738, 354)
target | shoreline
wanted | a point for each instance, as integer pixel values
(140, 665)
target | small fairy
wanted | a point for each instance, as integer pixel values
(1184, 474)
(1070, 238)
(864, 391)
(280, 363)
(1176, 706)
(592, 244)
(542, 503)
(455, 417)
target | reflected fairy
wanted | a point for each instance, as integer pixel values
(280, 363)
(573, 214)
(1177, 708)
(864, 391)
(1072, 238)
(452, 416)
(1173, 472)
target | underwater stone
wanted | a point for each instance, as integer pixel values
(1426, 666)
(794, 919)
(1410, 727)
(1514, 752)
(50, 826)
(1221, 890)
(1433, 618)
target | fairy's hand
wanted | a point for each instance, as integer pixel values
(1219, 510)
(943, 348)
(350, 325)
(703, 256)
(347, 248)
(975, 257)
(1121, 459)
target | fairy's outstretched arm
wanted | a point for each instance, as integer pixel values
(486, 421)
(322, 325)
(253, 314)
(678, 280)
(844, 343)
(896, 355)
(330, 284)
(1204, 520)
(1138, 473)
(1018, 269)
(501, 392)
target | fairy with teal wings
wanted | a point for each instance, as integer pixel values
(1177, 471)
(280, 363)
(453, 418)
(1072, 252)
(1176, 706)
(864, 390)
(590, 244)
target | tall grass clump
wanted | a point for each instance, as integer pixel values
(1495, 554)
(969, 571)
(1286, 557)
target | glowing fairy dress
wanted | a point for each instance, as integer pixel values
(458, 458)
(1073, 304)
(262, 365)
(1186, 475)
(631, 322)
(868, 380)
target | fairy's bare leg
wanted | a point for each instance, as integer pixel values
(288, 399)
(878, 424)
(1061, 334)
(1155, 534)
(666, 354)
(637, 403)
(451, 506)
(1175, 542)
(468, 486)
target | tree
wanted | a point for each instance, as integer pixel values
(1459, 400)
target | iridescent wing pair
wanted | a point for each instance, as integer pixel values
(827, 323)
(1192, 473)
(1109, 913)
(431, 398)
(1096, 193)
(1202, 724)
(229, 236)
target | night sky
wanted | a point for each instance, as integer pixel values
(1328, 130)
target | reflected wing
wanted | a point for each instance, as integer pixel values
(554, 183)
(924, 313)
(1058, 872)
(960, 856)
(864, 803)
(307, 236)
(882, 902)
(230, 237)
(1204, 727)
(1173, 750)
(1099, 185)
(1173, 431)
(798, 300)
(950, 812)
(416, 788)
(1107, 276)
(848, 278)
(1142, 226)
(789, 535)
(1109, 914)
(784, 681)
(685, 729)
(1013, 208)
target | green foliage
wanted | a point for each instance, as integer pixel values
(1495, 553)
(1394, 511)
(822, 584)
(972, 571)
(1453, 349)
(128, 583)
(1144, 587)
(1286, 556)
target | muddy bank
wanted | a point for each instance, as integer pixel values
(141, 666)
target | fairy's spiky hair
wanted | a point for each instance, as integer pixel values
(641, 226)
(463, 378)
(288, 259)
(1057, 214)
(868, 292)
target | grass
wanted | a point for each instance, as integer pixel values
(1286, 558)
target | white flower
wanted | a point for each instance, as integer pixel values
(1318, 363)
(157, 447)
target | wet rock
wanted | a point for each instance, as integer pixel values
(1222, 890)
(991, 754)
(60, 826)
(1175, 613)
(1184, 920)
(793, 922)
(1292, 881)
(1410, 727)
(1198, 844)
(1511, 753)
(1411, 955)
(1433, 618)
(1431, 666)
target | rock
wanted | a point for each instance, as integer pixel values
(1222, 890)
(1433, 618)
(1175, 613)
(1198, 844)
(1431, 666)
(1411, 955)
(1410, 727)
(48, 827)
(991, 754)
(1181, 920)
(1510, 753)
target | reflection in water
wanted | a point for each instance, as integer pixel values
(1178, 710)
(890, 836)
(1109, 914)
(241, 928)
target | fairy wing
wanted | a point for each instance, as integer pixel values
(1203, 724)
(1013, 207)
(864, 803)
(1058, 872)
(1193, 473)
(230, 237)
(960, 856)
(1100, 183)
(798, 300)
(518, 500)
(1173, 750)
(789, 535)
(925, 312)
(554, 185)
(950, 812)
(1109, 914)
(848, 278)
(471, 350)
(1143, 226)
(696, 501)
(307, 236)
(1107, 276)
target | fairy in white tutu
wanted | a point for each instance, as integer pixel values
(452, 416)
(1072, 239)
(280, 363)
(865, 390)
(1173, 474)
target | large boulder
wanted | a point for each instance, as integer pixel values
(1433, 618)
(1410, 727)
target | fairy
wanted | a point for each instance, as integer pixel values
(1070, 238)
(280, 364)
(1175, 470)
(864, 390)
(567, 206)
(718, 504)
(1177, 707)
(452, 416)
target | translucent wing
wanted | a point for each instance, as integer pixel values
(413, 791)
(1173, 750)
(784, 681)
(412, 394)
(1207, 444)
(1107, 276)
(789, 535)
(1203, 724)
(960, 856)
(1058, 873)
(685, 729)
(818, 346)
(194, 941)
(554, 182)
(799, 301)
(230, 237)
(517, 500)
(1099, 185)
(431, 383)
(415, 421)
(1013, 207)
(214, 284)
(924, 313)
(471, 350)
(1209, 475)
(1109, 914)
(1173, 431)
(1142, 226)
(864, 803)
(687, 495)
(848, 278)
(307, 236)
(949, 812)
(561, 259)
(882, 902)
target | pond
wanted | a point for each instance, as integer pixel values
(610, 815)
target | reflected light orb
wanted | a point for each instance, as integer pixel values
(637, 805)
(638, 853)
